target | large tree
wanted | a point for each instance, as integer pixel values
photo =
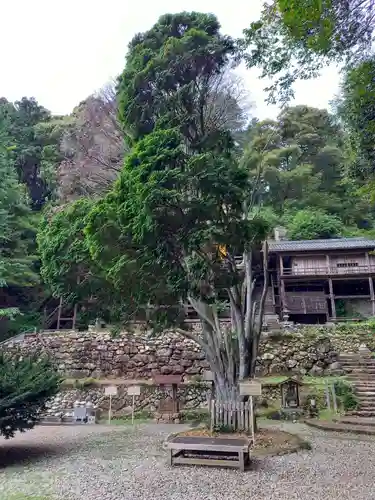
(172, 72)
(356, 109)
(183, 209)
(17, 228)
(293, 39)
(67, 267)
(303, 166)
(21, 119)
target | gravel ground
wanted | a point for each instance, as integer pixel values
(122, 463)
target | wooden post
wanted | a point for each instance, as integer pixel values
(334, 400)
(281, 265)
(332, 297)
(273, 292)
(328, 264)
(74, 316)
(328, 399)
(59, 314)
(371, 283)
(283, 301)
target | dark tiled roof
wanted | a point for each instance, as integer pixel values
(314, 245)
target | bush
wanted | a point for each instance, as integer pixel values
(345, 395)
(25, 385)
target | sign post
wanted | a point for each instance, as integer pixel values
(134, 390)
(110, 391)
(251, 388)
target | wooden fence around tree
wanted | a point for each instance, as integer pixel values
(233, 415)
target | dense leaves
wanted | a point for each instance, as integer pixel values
(311, 225)
(25, 385)
(17, 228)
(21, 119)
(302, 162)
(66, 264)
(293, 39)
(356, 107)
(170, 74)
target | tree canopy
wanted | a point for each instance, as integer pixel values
(170, 74)
(303, 165)
(293, 39)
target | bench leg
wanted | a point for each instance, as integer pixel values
(241, 460)
(171, 457)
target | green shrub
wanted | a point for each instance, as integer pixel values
(345, 396)
(25, 386)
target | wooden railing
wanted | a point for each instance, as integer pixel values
(328, 270)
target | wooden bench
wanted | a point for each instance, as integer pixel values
(195, 450)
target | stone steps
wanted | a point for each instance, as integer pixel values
(366, 390)
(363, 413)
(367, 422)
(365, 406)
(342, 427)
(357, 377)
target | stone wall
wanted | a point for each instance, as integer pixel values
(85, 359)
(307, 351)
(190, 395)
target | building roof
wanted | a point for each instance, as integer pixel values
(316, 245)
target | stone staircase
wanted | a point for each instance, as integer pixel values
(360, 370)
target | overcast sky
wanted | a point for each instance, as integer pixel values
(60, 52)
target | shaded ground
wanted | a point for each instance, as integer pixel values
(121, 462)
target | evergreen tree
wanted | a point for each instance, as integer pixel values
(25, 386)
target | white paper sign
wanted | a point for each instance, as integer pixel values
(110, 390)
(208, 376)
(250, 388)
(134, 390)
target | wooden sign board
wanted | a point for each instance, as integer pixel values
(110, 390)
(134, 390)
(250, 388)
(167, 379)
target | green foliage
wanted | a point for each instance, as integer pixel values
(156, 220)
(294, 39)
(169, 74)
(66, 264)
(25, 386)
(17, 227)
(345, 395)
(49, 135)
(302, 164)
(314, 224)
(356, 109)
(21, 119)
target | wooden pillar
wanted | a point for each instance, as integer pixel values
(328, 263)
(332, 297)
(59, 313)
(273, 292)
(74, 316)
(282, 292)
(281, 264)
(371, 283)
